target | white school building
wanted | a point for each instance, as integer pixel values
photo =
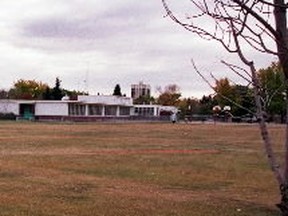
(85, 108)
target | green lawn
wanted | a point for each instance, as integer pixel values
(84, 169)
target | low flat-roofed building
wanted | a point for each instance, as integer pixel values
(85, 107)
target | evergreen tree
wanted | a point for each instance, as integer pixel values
(57, 92)
(117, 90)
(47, 94)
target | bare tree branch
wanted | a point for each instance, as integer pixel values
(256, 16)
(221, 95)
(237, 70)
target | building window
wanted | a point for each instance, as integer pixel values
(150, 111)
(124, 111)
(136, 110)
(95, 110)
(77, 109)
(140, 89)
(144, 111)
(111, 110)
(133, 93)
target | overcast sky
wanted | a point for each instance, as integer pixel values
(93, 45)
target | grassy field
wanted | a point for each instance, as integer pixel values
(53, 169)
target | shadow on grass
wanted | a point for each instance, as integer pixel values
(22, 211)
(244, 208)
(110, 207)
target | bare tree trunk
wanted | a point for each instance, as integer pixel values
(282, 48)
(279, 175)
(264, 130)
(283, 206)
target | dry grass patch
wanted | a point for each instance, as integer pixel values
(135, 169)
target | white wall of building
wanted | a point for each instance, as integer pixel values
(53, 108)
(124, 106)
(9, 106)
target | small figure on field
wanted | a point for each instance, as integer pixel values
(173, 118)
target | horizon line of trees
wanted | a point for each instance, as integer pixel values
(37, 90)
(227, 93)
(239, 98)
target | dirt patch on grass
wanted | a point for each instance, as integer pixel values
(140, 191)
(150, 151)
(111, 152)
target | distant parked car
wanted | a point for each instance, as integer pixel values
(249, 118)
(236, 119)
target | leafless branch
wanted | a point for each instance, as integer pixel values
(223, 13)
(218, 93)
(273, 4)
(237, 70)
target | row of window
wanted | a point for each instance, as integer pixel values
(144, 111)
(97, 110)
(137, 92)
(77, 109)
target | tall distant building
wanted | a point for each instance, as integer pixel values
(140, 89)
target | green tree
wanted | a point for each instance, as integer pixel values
(244, 98)
(188, 107)
(47, 94)
(206, 105)
(144, 99)
(224, 90)
(57, 93)
(170, 96)
(117, 90)
(4, 94)
(273, 89)
(238, 97)
(27, 89)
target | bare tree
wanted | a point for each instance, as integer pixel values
(257, 24)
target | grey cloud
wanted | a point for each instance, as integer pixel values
(122, 29)
(74, 29)
(93, 26)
